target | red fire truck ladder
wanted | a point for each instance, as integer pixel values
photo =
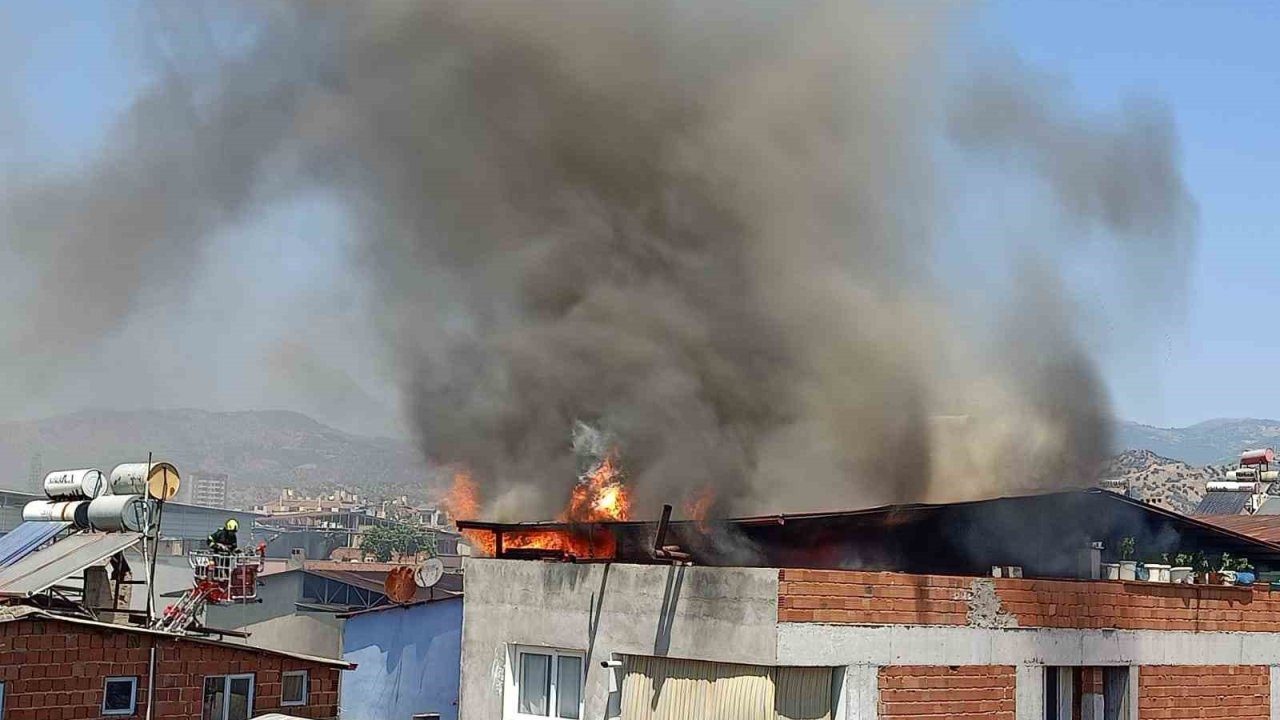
(219, 579)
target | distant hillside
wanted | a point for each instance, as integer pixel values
(260, 451)
(1161, 481)
(1213, 442)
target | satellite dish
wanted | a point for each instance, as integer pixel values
(428, 573)
(398, 587)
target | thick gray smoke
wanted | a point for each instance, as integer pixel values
(706, 229)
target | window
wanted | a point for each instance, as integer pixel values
(119, 696)
(228, 697)
(1059, 693)
(548, 684)
(294, 688)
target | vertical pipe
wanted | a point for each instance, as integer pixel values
(151, 682)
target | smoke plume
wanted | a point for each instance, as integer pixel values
(707, 230)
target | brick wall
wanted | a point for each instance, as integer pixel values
(54, 670)
(873, 598)
(935, 693)
(1237, 692)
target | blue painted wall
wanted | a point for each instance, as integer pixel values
(408, 661)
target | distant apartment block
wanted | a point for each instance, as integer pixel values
(209, 489)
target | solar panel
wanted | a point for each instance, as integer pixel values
(24, 539)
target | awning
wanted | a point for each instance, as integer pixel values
(41, 570)
(24, 539)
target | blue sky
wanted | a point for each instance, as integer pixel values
(1214, 64)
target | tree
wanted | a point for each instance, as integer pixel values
(385, 541)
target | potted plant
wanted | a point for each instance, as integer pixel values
(1226, 570)
(1201, 565)
(1159, 572)
(1128, 566)
(1182, 567)
(1244, 572)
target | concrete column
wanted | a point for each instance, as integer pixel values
(861, 692)
(1275, 692)
(1029, 692)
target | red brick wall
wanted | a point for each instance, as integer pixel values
(55, 671)
(935, 693)
(1219, 691)
(872, 598)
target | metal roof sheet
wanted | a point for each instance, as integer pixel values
(45, 568)
(24, 539)
(1222, 502)
(1261, 527)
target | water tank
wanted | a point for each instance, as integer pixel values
(74, 484)
(75, 512)
(158, 480)
(1261, 456)
(119, 513)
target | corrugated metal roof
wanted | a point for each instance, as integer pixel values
(1261, 527)
(45, 568)
(1222, 502)
(376, 581)
(24, 539)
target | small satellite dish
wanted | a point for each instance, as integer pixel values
(428, 573)
(398, 587)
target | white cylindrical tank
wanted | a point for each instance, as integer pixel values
(160, 480)
(74, 484)
(118, 513)
(1231, 486)
(75, 512)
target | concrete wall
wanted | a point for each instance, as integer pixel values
(724, 614)
(276, 622)
(279, 594)
(407, 661)
(318, 634)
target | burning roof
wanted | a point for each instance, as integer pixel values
(1043, 533)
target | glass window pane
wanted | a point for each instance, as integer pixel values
(214, 697)
(535, 684)
(294, 688)
(568, 687)
(239, 708)
(118, 696)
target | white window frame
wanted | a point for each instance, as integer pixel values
(511, 693)
(226, 692)
(306, 687)
(133, 694)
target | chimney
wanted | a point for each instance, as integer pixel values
(1091, 561)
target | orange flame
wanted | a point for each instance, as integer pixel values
(463, 503)
(600, 495)
(697, 507)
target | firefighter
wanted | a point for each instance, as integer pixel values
(223, 540)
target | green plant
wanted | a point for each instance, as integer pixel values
(1225, 563)
(1126, 548)
(384, 541)
(1184, 560)
(1202, 562)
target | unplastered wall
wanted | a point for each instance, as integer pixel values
(914, 692)
(717, 614)
(1239, 692)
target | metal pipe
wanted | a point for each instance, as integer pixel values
(151, 682)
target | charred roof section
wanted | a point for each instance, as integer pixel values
(1047, 535)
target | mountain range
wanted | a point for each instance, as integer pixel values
(260, 451)
(1212, 442)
